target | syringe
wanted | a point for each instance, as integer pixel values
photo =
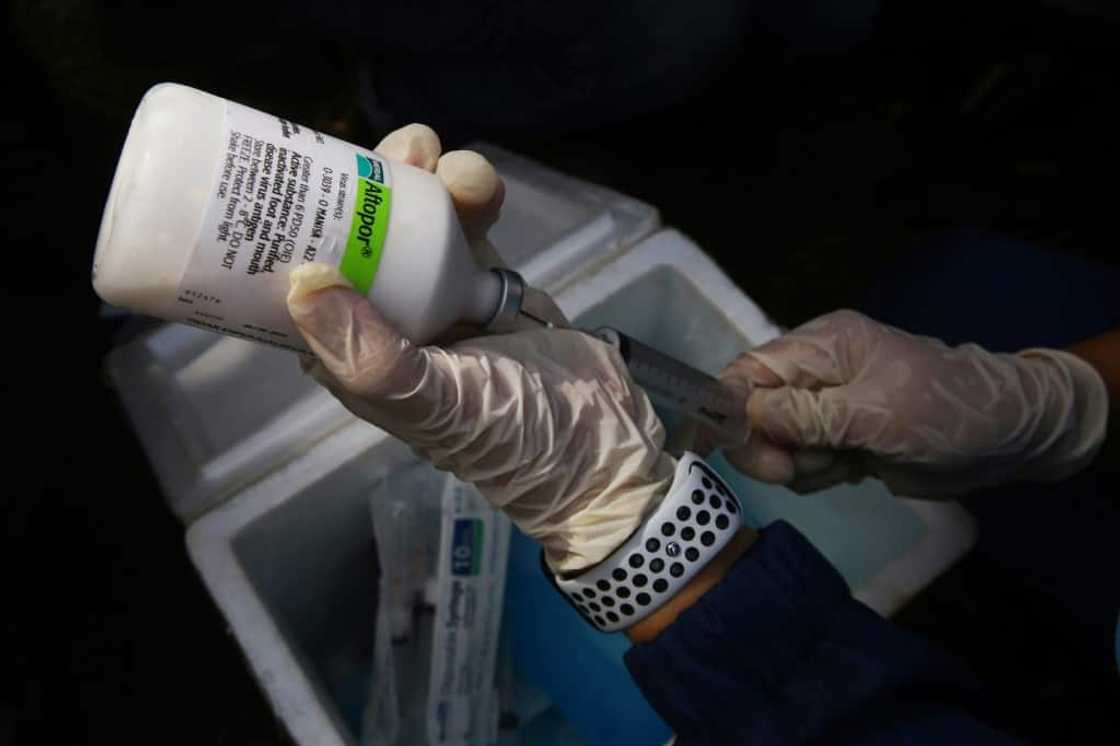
(684, 389)
(670, 383)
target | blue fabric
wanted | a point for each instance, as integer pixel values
(974, 286)
(1006, 295)
(779, 653)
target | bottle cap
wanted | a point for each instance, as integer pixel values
(508, 310)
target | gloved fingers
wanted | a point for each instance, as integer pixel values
(415, 144)
(827, 351)
(803, 471)
(767, 462)
(751, 370)
(353, 342)
(799, 362)
(763, 460)
(314, 369)
(476, 191)
(741, 376)
(801, 418)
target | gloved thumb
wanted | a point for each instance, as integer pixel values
(798, 418)
(352, 340)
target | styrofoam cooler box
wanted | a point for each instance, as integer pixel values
(290, 560)
(275, 478)
(215, 413)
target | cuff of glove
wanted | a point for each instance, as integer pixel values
(1079, 397)
(697, 518)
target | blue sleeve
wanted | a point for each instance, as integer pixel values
(780, 653)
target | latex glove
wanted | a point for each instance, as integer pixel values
(546, 423)
(844, 397)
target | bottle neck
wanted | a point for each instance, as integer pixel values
(483, 298)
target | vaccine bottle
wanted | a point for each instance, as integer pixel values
(214, 203)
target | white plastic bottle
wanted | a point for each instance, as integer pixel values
(213, 203)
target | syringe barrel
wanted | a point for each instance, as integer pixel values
(684, 389)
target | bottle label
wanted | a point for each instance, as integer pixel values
(283, 194)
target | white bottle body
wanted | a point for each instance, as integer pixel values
(214, 203)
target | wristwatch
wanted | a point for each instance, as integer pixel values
(697, 518)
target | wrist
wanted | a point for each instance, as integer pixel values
(1074, 402)
(650, 627)
(674, 543)
(603, 522)
(1103, 353)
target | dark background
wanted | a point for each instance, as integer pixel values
(802, 149)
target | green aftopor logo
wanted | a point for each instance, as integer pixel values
(368, 225)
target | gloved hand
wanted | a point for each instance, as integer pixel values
(546, 423)
(843, 397)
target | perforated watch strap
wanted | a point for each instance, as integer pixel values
(698, 517)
